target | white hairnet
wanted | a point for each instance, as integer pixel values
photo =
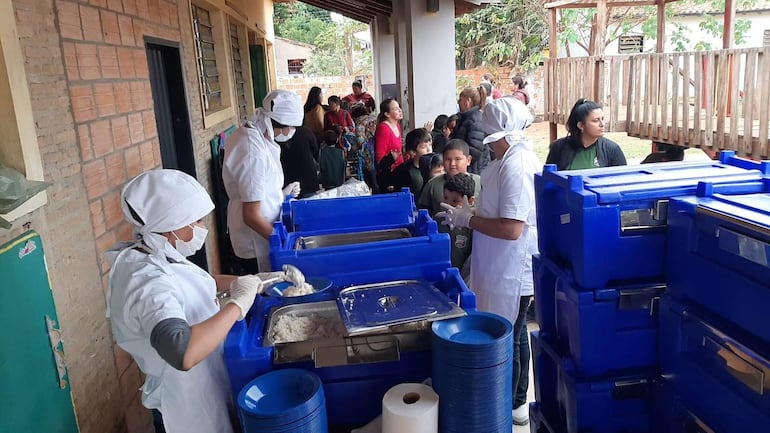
(504, 117)
(284, 107)
(162, 201)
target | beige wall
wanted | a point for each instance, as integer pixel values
(285, 50)
(93, 116)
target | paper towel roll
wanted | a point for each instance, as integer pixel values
(410, 407)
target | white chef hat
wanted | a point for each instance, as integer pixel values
(284, 107)
(159, 201)
(504, 117)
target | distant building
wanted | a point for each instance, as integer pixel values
(290, 56)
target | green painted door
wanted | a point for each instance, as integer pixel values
(258, 73)
(34, 388)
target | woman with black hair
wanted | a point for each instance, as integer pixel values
(314, 112)
(585, 145)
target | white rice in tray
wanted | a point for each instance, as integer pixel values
(290, 328)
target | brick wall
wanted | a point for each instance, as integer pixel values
(92, 104)
(339, 86)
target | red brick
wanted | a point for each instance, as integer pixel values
(97, 218)
(122, 359)
(140, 64)
(92, 26)
(83, 108)
(70, 61)
(113, 214)
(101, 137)
(138, 418)
(84, 139)
(125, 230)
(146, 154)
(88, 62)
(116, 5)
(110, 28)
(126, 61)
(105, 99)
(126, 27)
(173, 18)
(137, 95)
(142, 10)
(122, 97)
(95, 178)
(129, 7)
(133, 162)
(136, 127)
(98, 3)
(69, 20)
(150, 128)
(154, 10)
(120, 134)
(108, 58)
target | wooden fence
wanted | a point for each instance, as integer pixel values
(711, 99)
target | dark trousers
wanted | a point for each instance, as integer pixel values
(245, 266)
(521, 354)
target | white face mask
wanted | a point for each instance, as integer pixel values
(283, 138)
(189, 248)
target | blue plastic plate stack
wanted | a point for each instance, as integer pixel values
(283, 401)
(473, 373)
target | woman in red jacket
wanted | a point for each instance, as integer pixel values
(387, 143)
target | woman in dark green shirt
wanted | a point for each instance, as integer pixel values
(585, 145)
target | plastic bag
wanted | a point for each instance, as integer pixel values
(15, 189)
(351, 188)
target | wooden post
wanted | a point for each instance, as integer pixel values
(553, 53)
(660, 34)
(727, 43)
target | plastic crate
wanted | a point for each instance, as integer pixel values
(672, 415)
(545, 281)
(720, 372)
(719, 257)
(606, 405)
(425, 244)
(349, 212)
(246, 358)
(539, 424)
(609, 224)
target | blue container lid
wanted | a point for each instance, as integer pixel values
(288, 395)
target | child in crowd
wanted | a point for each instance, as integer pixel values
(417, 143)
(456, 189)
(331, 161)
(431, 165)
(457, 158)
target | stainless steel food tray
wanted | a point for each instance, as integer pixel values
(337, 239)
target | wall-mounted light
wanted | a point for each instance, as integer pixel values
(432, 6)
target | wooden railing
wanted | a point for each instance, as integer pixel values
(712, 99)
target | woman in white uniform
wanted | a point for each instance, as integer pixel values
(253, 178)
(163, 308)
(505, 230)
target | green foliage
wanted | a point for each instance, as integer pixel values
(299, 21)
(511, 32)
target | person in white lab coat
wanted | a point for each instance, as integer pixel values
(253, 178)
(163, 308)
(505, 231)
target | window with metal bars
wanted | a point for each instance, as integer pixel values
(238, 74)
(211, 90)
(296, 65)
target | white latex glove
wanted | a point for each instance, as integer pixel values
(459, 216)
(243, 290)
(289, 273)
(291, 189)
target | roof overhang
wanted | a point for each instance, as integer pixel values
(366, 10)
(581, 4)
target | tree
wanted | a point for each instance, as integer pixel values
(300, 22)
(339, 51)
(512, 32)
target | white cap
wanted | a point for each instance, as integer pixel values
(284, 107)
(164, 200)
(503, 117)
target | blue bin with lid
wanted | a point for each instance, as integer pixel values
(392, 209)
(672, 415)
(608, 404)
(246, 355)
(719, 256)
(538, 423)
(334, 252)
(720, 372)
(609, 224)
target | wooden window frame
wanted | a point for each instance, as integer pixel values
(217, 24)
(240, 69)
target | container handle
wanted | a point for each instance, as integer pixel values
(732, 219)
(695, 425)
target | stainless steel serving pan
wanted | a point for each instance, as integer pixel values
(337, 239)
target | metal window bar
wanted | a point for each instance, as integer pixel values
(208, 76)
(238, 81)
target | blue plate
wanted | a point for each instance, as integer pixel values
(477, 329)
(320, 284)
(289, 394)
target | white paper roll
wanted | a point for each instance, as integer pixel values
(410, 407)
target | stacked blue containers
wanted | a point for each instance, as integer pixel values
(353, 392)
(600, 271)
(715, 338)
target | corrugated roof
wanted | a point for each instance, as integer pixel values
(690, 7)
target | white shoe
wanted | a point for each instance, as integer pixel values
(521, 415)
